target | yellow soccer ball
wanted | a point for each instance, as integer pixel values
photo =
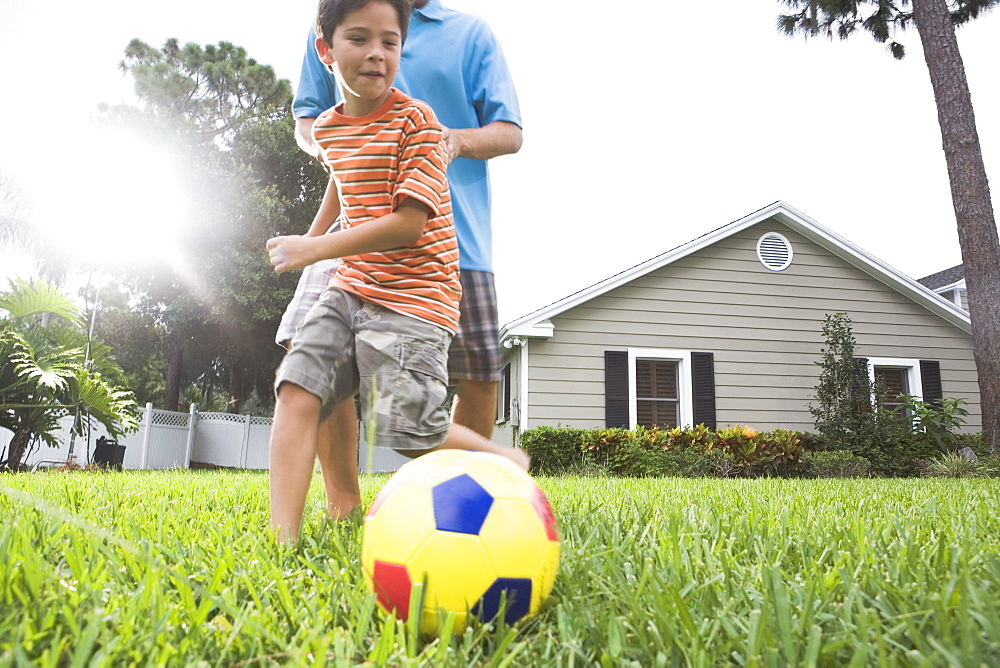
(462, 531)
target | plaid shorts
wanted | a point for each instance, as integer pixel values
(312, 283)
(395, 363)
(475, 350)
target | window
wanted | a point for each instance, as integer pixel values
(890, 382)
(656, 395)
(503, 396)
(894, 376)
(659, 387)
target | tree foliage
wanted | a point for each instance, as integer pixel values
(215, 88)
(880, 19)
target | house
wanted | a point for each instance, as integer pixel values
(950, 284)
(727, 330)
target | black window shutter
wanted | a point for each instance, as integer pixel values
(703, 388)
(930, 379)
(506, 393)
(615, 388)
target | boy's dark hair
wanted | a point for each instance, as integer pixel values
(331, 14)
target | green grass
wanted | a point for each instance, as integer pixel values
(177, 568)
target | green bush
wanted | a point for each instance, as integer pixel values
(954, 465)
(652, 452)
(691, 464)
(554, 450)
(990, 466)
(837, 464)
(632, 454)
(763, 454)
(849, 412)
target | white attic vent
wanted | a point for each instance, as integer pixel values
(774, 251)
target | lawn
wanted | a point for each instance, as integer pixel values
(178, 568)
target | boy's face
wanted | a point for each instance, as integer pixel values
(366, 48)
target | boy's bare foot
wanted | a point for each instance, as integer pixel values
(340, 507)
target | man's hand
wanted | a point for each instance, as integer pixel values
(304, 137)
(490, 141)
(291, 252)
(451, 143)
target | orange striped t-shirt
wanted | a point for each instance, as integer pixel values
(378, 160)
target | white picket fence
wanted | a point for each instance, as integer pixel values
(168, 440)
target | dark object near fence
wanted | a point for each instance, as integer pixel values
(108, 454)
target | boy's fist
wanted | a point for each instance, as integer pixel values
(287, 253)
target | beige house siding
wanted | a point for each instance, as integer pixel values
(764, 328)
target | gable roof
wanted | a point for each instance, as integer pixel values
(538, 324)
(946, 277)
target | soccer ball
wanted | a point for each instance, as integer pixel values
(464, 531)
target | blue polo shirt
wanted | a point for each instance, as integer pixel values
(452, 61)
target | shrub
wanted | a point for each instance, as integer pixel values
(953, 465)
(646, 452)
(633, 454)
(837, 464)
(978, 442)
(990, 466)
(757, 454)
(553, 450)
(691, 463)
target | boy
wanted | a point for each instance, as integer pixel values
(385, 323)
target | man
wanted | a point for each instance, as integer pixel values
(452, 61)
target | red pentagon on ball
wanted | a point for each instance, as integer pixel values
(392, 586)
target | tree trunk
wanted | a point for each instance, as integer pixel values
(237, 392)
(18, 446)
(175, 370)
(970, 195)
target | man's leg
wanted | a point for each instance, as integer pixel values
(292, 453)
(476, 406)
(474, 357)
(338, 460)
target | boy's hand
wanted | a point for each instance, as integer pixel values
(291, 252)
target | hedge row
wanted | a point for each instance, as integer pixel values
(690, 452)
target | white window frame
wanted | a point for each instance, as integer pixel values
(505, 400)
(912, 367)
(685, 411)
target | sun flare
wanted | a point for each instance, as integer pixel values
(117, 199)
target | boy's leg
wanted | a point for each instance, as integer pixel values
(292, 453)
(338, 458)
(463, 438)
(319, 369)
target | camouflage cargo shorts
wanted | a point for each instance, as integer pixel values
(397, 364)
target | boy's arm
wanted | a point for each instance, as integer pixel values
(490, 141)
(402, 227)
(328, 211)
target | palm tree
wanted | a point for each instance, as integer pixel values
(935, 21)
(45, 373)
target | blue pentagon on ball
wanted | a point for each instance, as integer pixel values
(515, 592)
(461, 505)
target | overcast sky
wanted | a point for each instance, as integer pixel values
(644, 126)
